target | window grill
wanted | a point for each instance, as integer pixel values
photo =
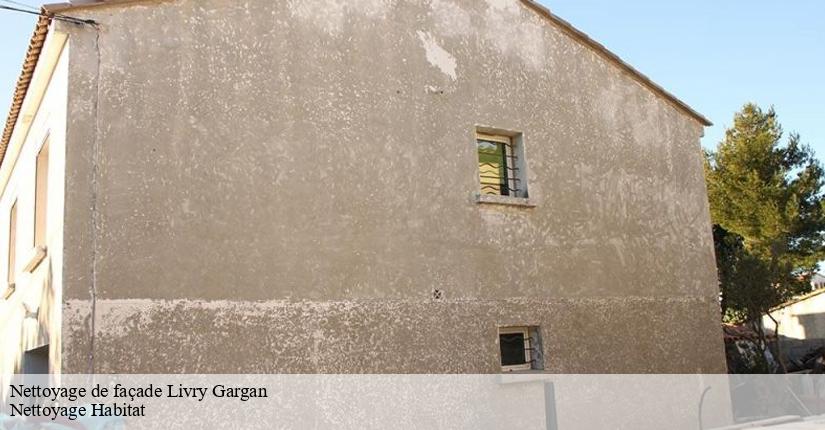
(498, 165)
(519, 348)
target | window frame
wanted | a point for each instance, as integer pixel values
(528, 353)
(41, 195)
(11, 260)
(509, 182)
(520, 192)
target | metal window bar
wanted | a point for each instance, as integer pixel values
(510, 170)
(531, 350)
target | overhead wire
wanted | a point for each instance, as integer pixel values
(21, 4)
(24, 8)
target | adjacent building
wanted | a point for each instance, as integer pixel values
(348, 187)
(801, 323)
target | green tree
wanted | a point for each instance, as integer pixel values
(766, 201)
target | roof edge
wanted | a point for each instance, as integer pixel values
(565, 26)
(36, 43)
(794, 300)
(600, 49)
(73, 5)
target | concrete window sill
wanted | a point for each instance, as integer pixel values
(38, 254)
(491, 199)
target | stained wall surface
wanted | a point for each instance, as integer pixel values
(279, 187)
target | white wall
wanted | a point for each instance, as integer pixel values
(802, 320)
(40, 291)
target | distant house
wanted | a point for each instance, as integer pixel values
(818, 281)
(801, 321)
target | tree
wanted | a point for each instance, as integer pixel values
(746, 291)
(767, 207)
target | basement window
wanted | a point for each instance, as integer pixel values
(520, 348)
(501, 167)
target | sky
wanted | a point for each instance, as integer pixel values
(715, 55)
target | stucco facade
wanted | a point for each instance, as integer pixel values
(281, 186)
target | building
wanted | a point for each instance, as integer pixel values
(801, 323)
(349, 186)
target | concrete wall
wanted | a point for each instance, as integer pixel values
(31, 316)
(279, 186)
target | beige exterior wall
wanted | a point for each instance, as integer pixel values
(31, 316)
(804, 319)
(279, 186)
(801, 325)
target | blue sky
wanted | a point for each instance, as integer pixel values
(715, 55)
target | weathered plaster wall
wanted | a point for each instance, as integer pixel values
(279, 186)
(579, 335)
(31, 316)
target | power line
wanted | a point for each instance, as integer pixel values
(58, 17)
(17, 3)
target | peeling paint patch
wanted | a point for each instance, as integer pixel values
(438, 56)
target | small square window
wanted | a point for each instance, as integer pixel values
(520, 348)
(501, 169)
